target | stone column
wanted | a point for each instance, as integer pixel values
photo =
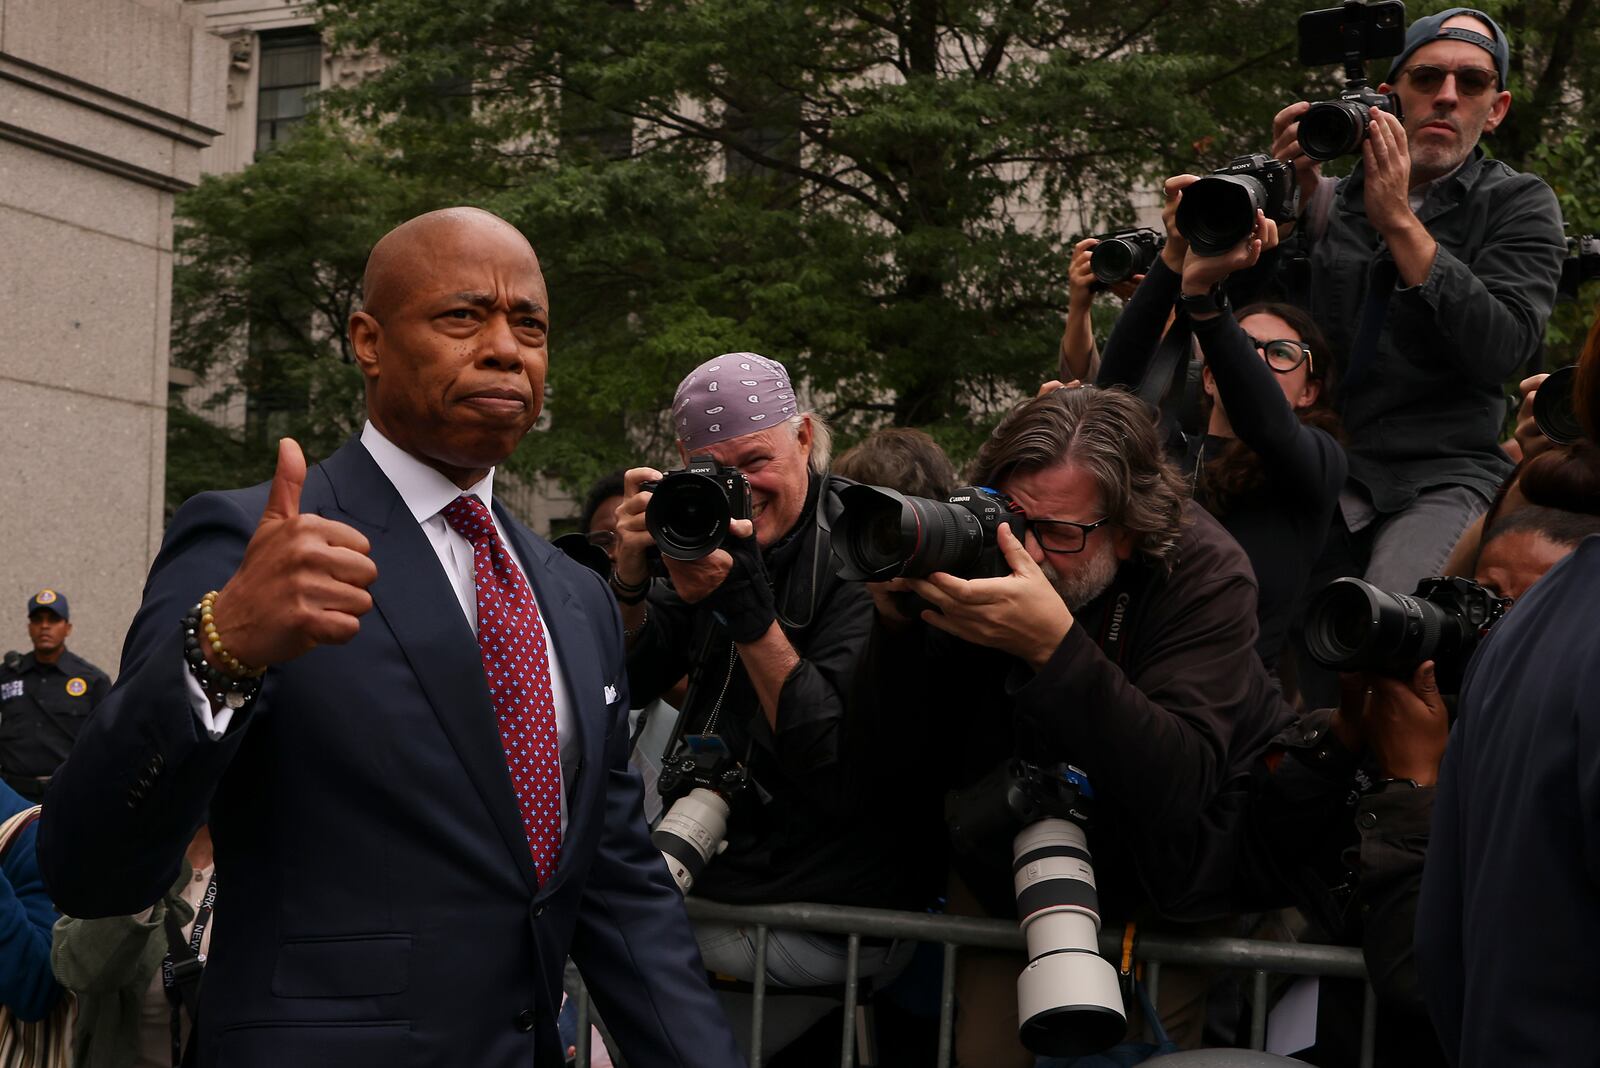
(105, 106)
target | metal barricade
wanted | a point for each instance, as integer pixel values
(955, 932)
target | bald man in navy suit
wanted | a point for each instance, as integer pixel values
(424, 804)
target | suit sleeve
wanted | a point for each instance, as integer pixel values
(633, 943)
(122, 809)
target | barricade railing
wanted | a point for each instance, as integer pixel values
(953, 933)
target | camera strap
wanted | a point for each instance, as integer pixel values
(1118, 611)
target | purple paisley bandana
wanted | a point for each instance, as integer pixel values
(735, 394)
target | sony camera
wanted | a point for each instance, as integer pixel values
(1350, 34)
(1581, 265)
(1352, 625)
(882, 534)
(690, 509)
(1219, 211)
(1122, 254)
(704, 777)
(1069, 1003)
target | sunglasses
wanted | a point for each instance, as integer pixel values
(1470, 81)
(1282, 354)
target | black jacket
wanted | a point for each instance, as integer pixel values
(1428, 410)
(42, 709)
(1162, 730)
(826, 817)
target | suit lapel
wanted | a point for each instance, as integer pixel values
(571, 641)
(420, 607)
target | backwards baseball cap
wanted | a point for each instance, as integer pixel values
(51, 600)
(732, 395)
(1432, 28)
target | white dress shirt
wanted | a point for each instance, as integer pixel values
(426, 494)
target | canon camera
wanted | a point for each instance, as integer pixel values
(882, 534)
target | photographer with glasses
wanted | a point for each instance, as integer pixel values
(1434, 268)
(1268, 464)
(1121, 640)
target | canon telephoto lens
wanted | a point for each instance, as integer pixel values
(690, 834)
(1552, 407)
(1219, 211)
(882, 534)
(1068, 1000)
(687, 515)
(1333, 128)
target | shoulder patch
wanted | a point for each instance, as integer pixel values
(76, 686)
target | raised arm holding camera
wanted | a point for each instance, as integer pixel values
(1267, 465)
(1433, 267)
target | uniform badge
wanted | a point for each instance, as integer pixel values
(45, 597)
(10, 690)
(77, 687)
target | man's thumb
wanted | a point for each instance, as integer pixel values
(283, 499)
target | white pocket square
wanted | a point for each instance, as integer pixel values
(611, 695)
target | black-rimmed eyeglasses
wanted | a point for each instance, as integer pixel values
(1283, 354)
(1063, 535)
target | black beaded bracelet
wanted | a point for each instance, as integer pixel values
(221, 689)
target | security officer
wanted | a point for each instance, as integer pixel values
(45, 697)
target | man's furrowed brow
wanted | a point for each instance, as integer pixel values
(483, 299)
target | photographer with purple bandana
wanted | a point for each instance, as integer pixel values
(770, 638)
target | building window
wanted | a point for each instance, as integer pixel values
(291, 70)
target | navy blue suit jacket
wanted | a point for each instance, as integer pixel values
(376, 900)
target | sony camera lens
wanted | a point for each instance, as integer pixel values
(1553, 411)
(688, 515)
(692, 832)
(1219, 211)
(1333, 128)
(1352, 625)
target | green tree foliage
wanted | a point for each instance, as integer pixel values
(881, 193)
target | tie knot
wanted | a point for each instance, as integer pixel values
(468, 517)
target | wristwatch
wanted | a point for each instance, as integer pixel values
(1213, 301)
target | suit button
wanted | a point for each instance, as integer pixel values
(525, 1020)
(538, 910)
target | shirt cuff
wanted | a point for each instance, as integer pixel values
(213, 721)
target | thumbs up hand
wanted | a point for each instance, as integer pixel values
(303, 581)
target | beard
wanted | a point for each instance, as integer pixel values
(1087, 582)
(1430, 160)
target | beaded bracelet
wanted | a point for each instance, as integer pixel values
(221, 689)
(231, 663)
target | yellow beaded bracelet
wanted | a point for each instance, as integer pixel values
(230, 663)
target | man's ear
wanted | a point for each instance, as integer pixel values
(1497, 113)
(365, 333)
(805, 433)
(1122, 542)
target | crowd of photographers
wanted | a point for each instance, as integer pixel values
(1201, 613)
(1235, 628)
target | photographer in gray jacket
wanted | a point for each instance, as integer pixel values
(1435, 269)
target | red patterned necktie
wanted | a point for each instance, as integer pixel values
(516, 662)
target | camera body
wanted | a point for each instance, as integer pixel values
(703, 777)
(1219, 211)
(1334, 128)
(1352, 625)
(690, 508)
(1122, 254)
(882, 534)
(1581, 265)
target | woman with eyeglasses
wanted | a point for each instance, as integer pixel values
(1266, 460)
